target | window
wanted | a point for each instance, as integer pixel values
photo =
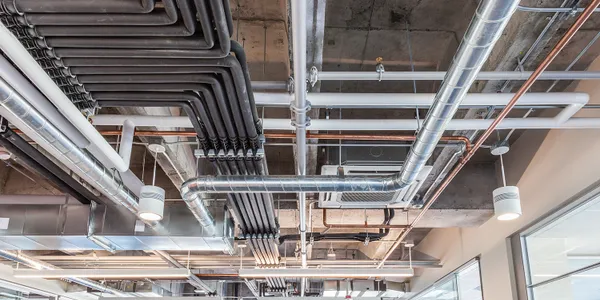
(462, 284)
(561, 254)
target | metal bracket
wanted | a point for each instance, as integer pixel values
(3, 124)
(290, 85)
(520, 65)
(297, 110)
(379, 68)
(573, 11)
(313, 76)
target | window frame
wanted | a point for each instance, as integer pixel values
(453, 275)
(519, 249)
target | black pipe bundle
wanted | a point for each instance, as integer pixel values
(168, 53)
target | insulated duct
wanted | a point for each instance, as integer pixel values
(19, 111)
(74, 226)
(36, 264)
(486, 27)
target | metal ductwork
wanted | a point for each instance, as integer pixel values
(40, 265)
(486, 27)
(18, 111)
(74, 226)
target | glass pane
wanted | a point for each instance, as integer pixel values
(582, 286)
(469, 283)
(445, 290)
(568, 243)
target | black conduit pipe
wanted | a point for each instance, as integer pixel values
(240, 54)
(197, 102)
(222, 105)
(83, 6)
(222, 50)
(241, 200)
(188, 27)
(198, 127)
(230, 87)
(202, 88)
(264, 199)
(317, 236)
(33, 159)
(167, 15)
(240, 78)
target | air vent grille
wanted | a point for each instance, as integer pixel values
(368, 197)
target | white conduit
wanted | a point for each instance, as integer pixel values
(437, 75)
(573, 102)
(399, 100)
(300, 108)
(27, 64)
(366, 125)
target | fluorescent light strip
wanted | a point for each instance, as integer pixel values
(102, 273)
(325, 273)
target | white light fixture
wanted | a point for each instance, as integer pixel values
(102, 273)
(325, 273)
(507, 201)
(331, 252)
(152, 203)
(152, 198)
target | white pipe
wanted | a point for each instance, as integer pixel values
(300, 107)
(439, 75)
(25, 62)
(140, 120)
(398, 100)
(368, 125)
(126, 144)
(15, 79)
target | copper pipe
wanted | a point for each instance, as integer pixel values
(522, 90)
(323, 136)
(355, 226)
(368, 137)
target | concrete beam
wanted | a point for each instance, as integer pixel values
(434, 218)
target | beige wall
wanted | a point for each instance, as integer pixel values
(566, 162)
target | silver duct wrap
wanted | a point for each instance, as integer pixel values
(487, 25)
(286, 184)
(81, 162)
(36, 264)
(201, 213)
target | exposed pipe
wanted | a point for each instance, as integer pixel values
(192, 279)
(484, 136)
(19, 112)
(126, 143)
(553, 10)
(364, 125)
(359, 226)
(40, 265)
(485, 28)
(410, 100)
(440, 75)
(15, 79)
(300, 107)
(29, 66)
(321, 136)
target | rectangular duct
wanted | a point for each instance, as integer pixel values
(83, 227)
